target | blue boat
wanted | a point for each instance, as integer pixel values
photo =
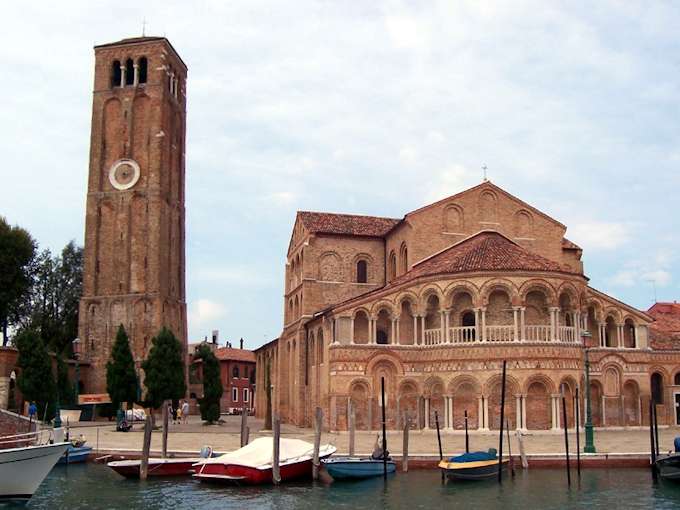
(345, 468)
(75, 454)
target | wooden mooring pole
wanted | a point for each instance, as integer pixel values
(439, 441)
(318, 421)
(578, 435)
(351, 426)
(652, 447)
(566, 437)
(500, 437)
(384, 434)
(656, 432)
(511, 462)
(166, 418)
(404, 455)
(244, 424)
(146, 446)
(276, 426)
(467, 437)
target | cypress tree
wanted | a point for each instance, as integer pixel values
(35, 380)
(121, 378)
(164, 370)
(212, 385)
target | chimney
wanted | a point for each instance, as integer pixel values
(215, 335)
(241, 343)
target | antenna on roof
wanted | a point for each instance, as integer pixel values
(143, 27)
(484, 167)
(654, 287)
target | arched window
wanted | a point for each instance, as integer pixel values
(676, 380)
(403, 258)
(129, 72)
(115, 74)
(657, 388)
(392, 267)
(143, 64)
(362, 272)
(234, 372)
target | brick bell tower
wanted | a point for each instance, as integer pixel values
(134, 228)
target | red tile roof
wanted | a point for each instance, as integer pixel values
(231, 354)
(665, 330)
(346, 224)
(485, 251)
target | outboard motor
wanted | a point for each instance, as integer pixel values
(676, 443)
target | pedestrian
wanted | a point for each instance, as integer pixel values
(185, 411)
(32, 410)
(172, 412)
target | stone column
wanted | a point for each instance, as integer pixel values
(554, 413)
(524, 412)
(603, 335)
(619, 335)
(486, 413)
(447, 336)
(442, 326)
(483, 310)
(451, 413)
(351, 331)
(370, 413)
(135, 80)
(422, 330)
(519, 417)
(415, 330)
(333, 418)
(393, 333)
(4, 392)
(515, 318)
(480, 413)
(427, 413)
(577, 326)
(604, 411)
(553, 323)
(478, 329)
(523, 323)
(123, 72)
(398, 332)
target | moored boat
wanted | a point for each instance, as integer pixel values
(346, 468)
(75, 454)
(252, 464)
(473, 466)
(160, 467)
(22, 470)
(669, 466)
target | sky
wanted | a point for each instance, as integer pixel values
(370, 108)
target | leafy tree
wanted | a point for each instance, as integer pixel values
(35, 380)
(212, 384)
(17, 250)
(52, 307)
(66, 390)
(121, 378)
(164, 376)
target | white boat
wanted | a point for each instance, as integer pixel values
(22, 470)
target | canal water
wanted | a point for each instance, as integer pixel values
(95, 486)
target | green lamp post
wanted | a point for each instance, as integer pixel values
(76, 356)
(590, 439)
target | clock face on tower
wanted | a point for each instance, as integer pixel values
(124, 174)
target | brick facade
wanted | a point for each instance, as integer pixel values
(134, 228)
(453, 289)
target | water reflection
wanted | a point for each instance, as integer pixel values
(95, 487)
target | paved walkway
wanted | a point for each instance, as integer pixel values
(226, 437)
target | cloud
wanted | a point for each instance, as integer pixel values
(203, 313)
(449, 181)
(239, 276)
(599, 235)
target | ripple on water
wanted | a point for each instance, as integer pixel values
(95, 486)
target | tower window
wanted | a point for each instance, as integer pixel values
(143, 64)
(115, 74)
(362, 272)
(129, 72)
(234, 372)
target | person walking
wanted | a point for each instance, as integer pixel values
(172, 412)
(185, 411)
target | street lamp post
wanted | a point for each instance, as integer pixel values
(590, 439)
(76, 356)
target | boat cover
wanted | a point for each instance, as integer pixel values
(676, 443)
(475, 456)
(259, 453)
